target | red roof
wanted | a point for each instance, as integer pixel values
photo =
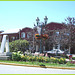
(27, 29)
(54, 26)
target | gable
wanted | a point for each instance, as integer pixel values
(54, 26)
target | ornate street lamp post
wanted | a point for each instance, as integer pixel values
(37, 20)
(45, 19)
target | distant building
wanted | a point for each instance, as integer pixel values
(16, 34)
(0, 34)
(1, 31)
(57, 32)
(53, 42)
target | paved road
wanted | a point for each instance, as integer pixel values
(8, 69)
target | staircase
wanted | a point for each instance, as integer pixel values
(5, 56)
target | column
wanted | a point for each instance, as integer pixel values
(53, 47)
(36, 48)
(7, 44)
(58, 46)
(3, 44)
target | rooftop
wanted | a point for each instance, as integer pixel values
(11, 31)
(54, 26)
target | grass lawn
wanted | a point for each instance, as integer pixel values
(39, 63)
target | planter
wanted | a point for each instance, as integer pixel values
(44, 37)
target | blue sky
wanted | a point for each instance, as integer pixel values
(20, 14)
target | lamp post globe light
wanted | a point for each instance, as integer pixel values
(37, 20)
(40, 27)
(45, 19)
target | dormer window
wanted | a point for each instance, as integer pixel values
(23, 35)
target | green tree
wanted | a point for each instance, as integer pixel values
(70, 25)
(19, 45)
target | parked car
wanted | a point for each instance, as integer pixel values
(55, 51)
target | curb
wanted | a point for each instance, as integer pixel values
(37, 66)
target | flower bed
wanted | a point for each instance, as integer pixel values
(17, 56)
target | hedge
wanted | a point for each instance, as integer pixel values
(18, 45)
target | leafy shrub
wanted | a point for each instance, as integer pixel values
(18, 45)
(62, 61)
(54, 60)
(40, 59)
(73, 62)
(64, 55)
(23, 58)
(34, 58)
(70, 63)
(29, 58)
(46, 59)
(73, 58)
(16, 56)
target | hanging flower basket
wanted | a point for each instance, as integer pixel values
(45, 36)
(37, 36)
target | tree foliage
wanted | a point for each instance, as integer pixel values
(18, 45)
(70, 23)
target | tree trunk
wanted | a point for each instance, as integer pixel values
(69, 49)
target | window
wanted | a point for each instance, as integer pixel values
(22, 35)
(66, 34)
(57, 33)
(13, 38)
(28, 36)
(16, 37)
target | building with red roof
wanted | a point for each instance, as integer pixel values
(15, 34)
(55, 26)
(57, 32)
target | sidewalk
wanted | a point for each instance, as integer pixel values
(69, 68)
